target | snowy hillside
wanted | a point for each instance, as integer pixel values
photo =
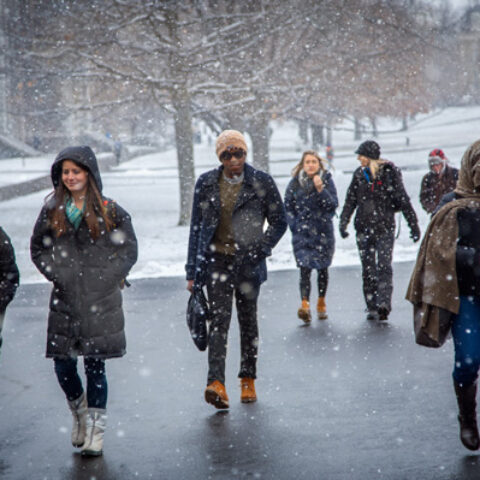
(148, 188)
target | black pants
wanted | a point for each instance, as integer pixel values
(97, 388)
(224, 279)
(376, 257)
(322, 282)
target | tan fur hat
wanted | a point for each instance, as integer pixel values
(230, 138)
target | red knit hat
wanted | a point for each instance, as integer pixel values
(436, 156)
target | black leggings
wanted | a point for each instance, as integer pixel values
(322, 282)
(97, 389)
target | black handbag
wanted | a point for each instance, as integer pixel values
(197, 317)
(431, 324)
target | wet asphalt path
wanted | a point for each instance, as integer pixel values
(339, 399)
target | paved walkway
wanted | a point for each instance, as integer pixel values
(340, 399)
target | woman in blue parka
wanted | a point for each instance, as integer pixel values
(310, 202)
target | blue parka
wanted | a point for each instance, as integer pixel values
(309, 215)
(258, 200)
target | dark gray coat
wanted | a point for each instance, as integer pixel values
(86, 315)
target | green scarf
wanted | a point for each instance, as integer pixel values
(73, 213)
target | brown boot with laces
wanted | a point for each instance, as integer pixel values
(304, 311)
(216, 394)
(321, 309)
(248, 394)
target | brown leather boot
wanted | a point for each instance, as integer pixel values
(216, 394)
(248, 394)
(321, 309)
(466, 399)
(304, 311)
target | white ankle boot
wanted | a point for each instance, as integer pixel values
(79, 409)
(96, 423)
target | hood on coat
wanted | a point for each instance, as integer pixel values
(84, 156)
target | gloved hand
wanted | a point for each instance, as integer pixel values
(343, 232)
(415, 233)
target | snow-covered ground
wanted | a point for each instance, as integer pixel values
(148, 188)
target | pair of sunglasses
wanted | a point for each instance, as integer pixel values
(228, 155)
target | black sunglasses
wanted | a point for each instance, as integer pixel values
(228, 155)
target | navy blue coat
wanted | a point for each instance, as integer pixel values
(258, 200)
(309, 215)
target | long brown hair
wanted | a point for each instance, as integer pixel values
(299, 166)
(94, 207)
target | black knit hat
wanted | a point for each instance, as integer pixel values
(369, 149)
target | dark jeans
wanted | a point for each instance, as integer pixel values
(97, 389)
(466, 338)
(322, 282)
(224, 279)
(376, 257)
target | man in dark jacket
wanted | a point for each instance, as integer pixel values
(9, 276)
(376, 192)
(441, 179)
(226, 252)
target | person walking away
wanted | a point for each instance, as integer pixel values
(450, 254)
(226, 252)
(9, 277)
(376, 192)
(310, 203)
(440, 180)
(84, 243)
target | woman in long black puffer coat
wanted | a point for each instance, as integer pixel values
(85, 244)
(310, 202)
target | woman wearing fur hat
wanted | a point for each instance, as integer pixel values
(85, 245)
(450, 254)
(376, 192)
(440, 180)
(227, 249)
(310, 202)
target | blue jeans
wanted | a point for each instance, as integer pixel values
(466, 337)
(97, 388)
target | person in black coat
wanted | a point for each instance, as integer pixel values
(227, 249)
(441, 179)
(376, 192)
(310, 203)
(9, 276)
(84, 243)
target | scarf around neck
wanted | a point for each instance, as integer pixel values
(74, 214)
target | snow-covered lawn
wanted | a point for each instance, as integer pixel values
(148, 188)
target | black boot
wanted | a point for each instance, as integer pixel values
(466, 398)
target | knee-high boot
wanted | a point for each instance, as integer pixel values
(466, 398)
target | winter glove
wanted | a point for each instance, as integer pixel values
(343, 232)
(415, 233)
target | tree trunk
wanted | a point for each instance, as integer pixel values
(404, 123)
(329, 135)
(317, 136)
(373, 121)
(358, 130)
(184, 144)
(260, 135)
(303, 131)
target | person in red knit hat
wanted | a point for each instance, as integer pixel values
(441, 179)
